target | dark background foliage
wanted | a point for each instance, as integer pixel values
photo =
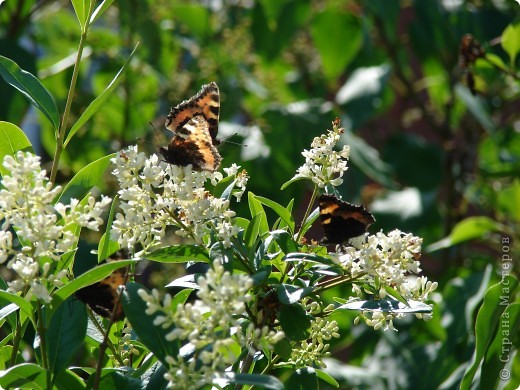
(429, 150)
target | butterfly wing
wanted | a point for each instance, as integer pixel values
(193, 144)
(206, 103)
(101, 296)
(341, 220)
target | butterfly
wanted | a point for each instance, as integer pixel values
(194, 123)
(341, 220)
(101, 297)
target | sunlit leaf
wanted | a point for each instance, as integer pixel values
(13, 140)
(32, 89)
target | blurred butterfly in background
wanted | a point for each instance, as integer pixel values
(101, 296)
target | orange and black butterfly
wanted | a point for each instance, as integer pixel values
(194, 123)
(102, 296)
(341, 220)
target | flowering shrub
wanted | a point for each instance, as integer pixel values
(258, 308)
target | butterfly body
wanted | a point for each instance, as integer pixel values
(341, 220)
(194, 123)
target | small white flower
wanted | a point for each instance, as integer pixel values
(323, 165)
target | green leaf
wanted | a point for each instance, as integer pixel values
(100, 10)
(154, 337)
(69, 380)
(468, 229)
(285, 241)
(90, 277)
(295, 322)
(13, 139)
(118, 380)
(310, 220)
(289, 294)
(31, 87)
(85, 179)
(24, 306)
(180, 254)
(488, 323)
(255, 207)
(282, 212)
(303, 379)
(329, 30)
(327, 378)
(65, 334)
(25, 375)
(475, 106)
(253, 230)
(387, 305)
(98, 102)
(106, 246)
(262, 381)
(511, 41)
(81, 7)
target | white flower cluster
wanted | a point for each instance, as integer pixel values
(323, 165)
(389, 258)
(125, 347)
(310, 352)
(155, 195)
(212, 325)
(45, 230)
(387, 261)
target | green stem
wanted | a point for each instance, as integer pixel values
(336, 282)
(307, 213)
(70, 96)
(43, 346)
(16, 340)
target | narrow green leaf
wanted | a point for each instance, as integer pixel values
(25, 375)
(289, 294)
(262, 381)
(252, 231)
(285, 241)
(13, 139)
(470, 228)
(24, 306)
(85, 179)
(106, 246)
(295, 322)
(90, 277)
(387, 305)
(488, 321)
(180, 254)
(100, 10)
(69, 380)
(81, 8)
(31, 87)
(289, 182)
(154, 337)
(476, 107)
(511, 41)
(65, 334)
(255, 207)
(282, 212)
(96, 104)
(310, 220)
(327, 378)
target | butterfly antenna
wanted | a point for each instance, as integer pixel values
(226, 140)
